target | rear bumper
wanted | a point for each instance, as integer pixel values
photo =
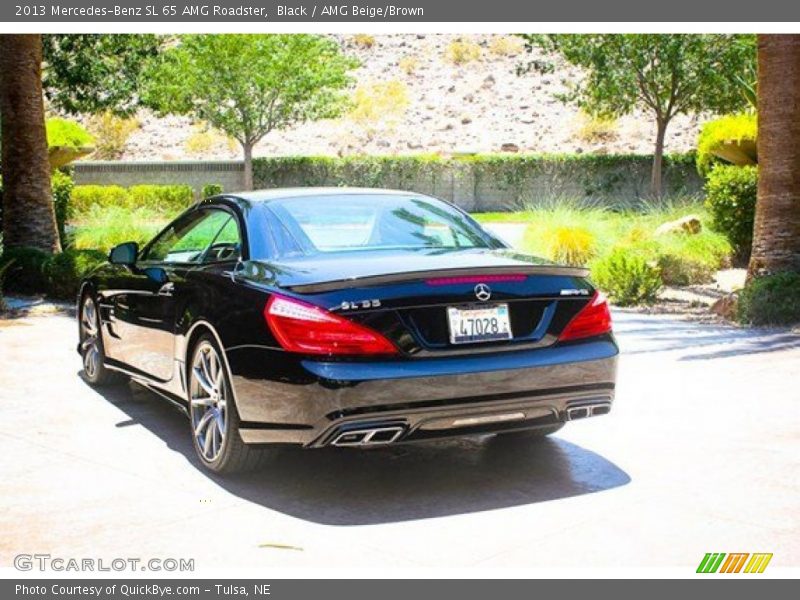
(424, 399)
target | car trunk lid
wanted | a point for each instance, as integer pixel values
(409, 296)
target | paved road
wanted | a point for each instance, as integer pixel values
(699, 454)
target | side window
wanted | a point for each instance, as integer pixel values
(187, 240)
(227, 245)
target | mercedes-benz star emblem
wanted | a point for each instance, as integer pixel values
(483, 292)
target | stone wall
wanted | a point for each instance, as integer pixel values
(481, 183)
(228, 174)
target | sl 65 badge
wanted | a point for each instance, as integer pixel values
(360, 304)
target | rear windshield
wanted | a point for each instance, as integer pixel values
(375, 222)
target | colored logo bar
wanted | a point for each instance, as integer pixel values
(735, 562)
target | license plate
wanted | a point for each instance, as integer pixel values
(483, 324)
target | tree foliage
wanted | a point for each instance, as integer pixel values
(89, 73)
(665, 75)
(249, 85)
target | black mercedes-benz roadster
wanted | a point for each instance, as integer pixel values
(345, 317)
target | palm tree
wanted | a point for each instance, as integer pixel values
(28, 215)
(776, 235)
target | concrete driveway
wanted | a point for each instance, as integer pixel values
(700, 454)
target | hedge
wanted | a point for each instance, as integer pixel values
(162, 198)
(31, 271)
(592, 175)
(731, 199)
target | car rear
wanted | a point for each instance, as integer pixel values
(386, 345)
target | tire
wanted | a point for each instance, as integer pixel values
(530, 434)
(213, 417)
(91, 346)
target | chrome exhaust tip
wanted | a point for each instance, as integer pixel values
(578, 412)
(588, 410)
(601, 409)
(368, 437)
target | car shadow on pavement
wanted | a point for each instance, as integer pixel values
(699, 341)
(343, 487)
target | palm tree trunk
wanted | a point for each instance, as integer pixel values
(776, 234)
(28, 215)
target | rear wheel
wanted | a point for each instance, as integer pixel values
(213, 415)
(91, 348)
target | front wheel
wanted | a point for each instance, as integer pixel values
(91, 346)
(213, 415)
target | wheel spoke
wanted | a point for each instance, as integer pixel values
(204, 421)
(215, 370)
(209, 436)
(203, 381)
(214, 439)
(220, 421)
(204, 365)
(202, 402)
(88, 326)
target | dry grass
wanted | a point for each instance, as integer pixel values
(408, 64)
(364, 41)
(380, 102)
(461, 52)
(506, 45)
(594, 129)
(111, 134)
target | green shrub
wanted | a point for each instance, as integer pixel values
(627, 277)
(64, 271)
(25, 275)
(680, 270)
(731, 199)
(62, 193)
(730, 139)
(103, 227)
(63, 132)
(770, 300)
(84, 197)
(167, 200)
(686, 259)
(570, 245)
(211, 189)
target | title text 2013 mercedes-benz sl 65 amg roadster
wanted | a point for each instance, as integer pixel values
(345, 317)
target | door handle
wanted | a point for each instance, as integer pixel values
(167, 289)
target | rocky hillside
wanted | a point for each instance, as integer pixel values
(431, 93)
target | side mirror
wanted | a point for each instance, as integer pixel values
(156, 274)
(124, 254)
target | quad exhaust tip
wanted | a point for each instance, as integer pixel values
(368, 437)
(588, 410)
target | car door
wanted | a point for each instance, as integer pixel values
(160, 285)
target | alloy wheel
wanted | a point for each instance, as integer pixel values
(208, 401)
(90, 338)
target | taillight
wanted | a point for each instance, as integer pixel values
(593, 319)
(308, 329)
